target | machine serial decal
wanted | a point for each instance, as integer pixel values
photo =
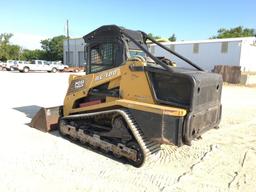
(107, 74)
(79, 84)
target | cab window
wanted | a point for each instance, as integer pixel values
(102, 57)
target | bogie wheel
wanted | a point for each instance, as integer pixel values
(26, 69)
(54, 70)
(62, 123)
(140, 156)
(118, 122)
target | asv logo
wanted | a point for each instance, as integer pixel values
(79, 84)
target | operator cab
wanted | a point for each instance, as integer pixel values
(107, 47)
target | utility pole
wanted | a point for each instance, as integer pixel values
(68, 55)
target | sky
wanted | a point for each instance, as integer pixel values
(33, 20)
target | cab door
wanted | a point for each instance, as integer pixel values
(46, 66)
(39, 66)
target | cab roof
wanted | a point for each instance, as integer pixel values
(114, 32)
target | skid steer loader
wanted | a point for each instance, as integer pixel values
(130, 102)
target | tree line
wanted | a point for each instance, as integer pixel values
(52, 48)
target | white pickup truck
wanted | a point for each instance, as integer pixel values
(37, 65)
(59, 65)
(15, 65)
(8, 65)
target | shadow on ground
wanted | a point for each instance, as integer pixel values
(29, 111)
(46, 119)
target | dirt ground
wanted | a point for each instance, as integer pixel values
(223, 160)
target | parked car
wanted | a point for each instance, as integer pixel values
(8, 64)
(37, 65)
(59, 65)
(16, 64)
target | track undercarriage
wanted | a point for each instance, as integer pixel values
(113, 131)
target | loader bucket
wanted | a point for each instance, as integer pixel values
(46, 119)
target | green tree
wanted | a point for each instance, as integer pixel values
(234, 32)
(5, 38)
(53, 48)
(154, 36)
(33, 54)
(8, 51)
(14, 52)
(172, 38)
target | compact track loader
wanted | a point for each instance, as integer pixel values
(130, 102)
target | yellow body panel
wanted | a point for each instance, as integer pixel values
(135, 91)
(134, 84)
(159, 109)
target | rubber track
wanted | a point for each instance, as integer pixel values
(148, 147)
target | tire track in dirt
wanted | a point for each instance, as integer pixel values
(195, 164)
(238, 173)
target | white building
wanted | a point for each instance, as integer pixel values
(208, 53)
(205, 53)
(76, 52)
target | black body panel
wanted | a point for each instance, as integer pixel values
(196, 123)
(197, 92)
(192, 90)
(160, 128)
